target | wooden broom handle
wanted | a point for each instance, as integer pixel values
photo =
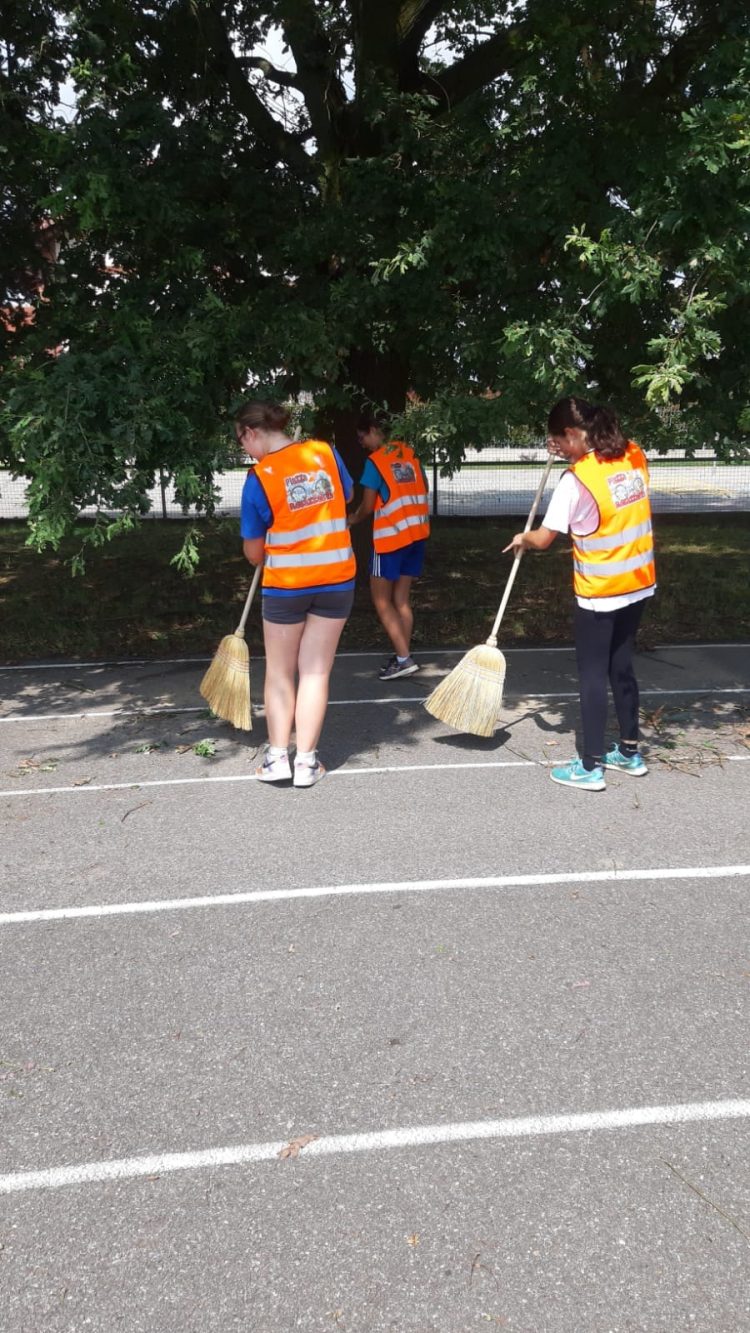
(240, 630)
(492, 640)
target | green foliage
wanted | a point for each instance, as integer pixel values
(486, 204)
(187, 558)
(205, 749)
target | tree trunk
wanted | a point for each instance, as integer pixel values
(383, 381)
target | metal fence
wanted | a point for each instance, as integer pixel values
(490, 482)
(503, 481)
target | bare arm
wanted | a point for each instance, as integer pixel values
(365, 507)
(536, 540)
(254, 549)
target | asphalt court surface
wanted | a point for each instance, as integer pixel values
(514, 1018)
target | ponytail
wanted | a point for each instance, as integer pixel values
(605, 434)
(599, 424)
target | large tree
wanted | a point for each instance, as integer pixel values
(486, 203)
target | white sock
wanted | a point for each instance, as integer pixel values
(276, 752)
(305, 757)
(401, 660)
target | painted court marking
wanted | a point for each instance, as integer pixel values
(167, 709)
(258, 710)
(250, 777)
(412, 1136)
(353, 890)
(433, 652)
(332, 773)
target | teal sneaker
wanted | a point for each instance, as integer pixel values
(633, 765)
(575, 775)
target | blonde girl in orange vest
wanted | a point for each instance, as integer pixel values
(293, 522)
(394, 490)
(602, 501)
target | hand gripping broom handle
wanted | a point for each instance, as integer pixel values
(240, 630)
(492, 640)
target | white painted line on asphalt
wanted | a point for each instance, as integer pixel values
(354, 890)
(165, 711)
(411, 1136)
(250, 777)
(712, 689)
(259, 711)
(96, 666)
(432, 652)
(332, 773)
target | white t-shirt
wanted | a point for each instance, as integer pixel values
(573, 508)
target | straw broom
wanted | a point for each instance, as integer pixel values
(226, 684)
(470, 697)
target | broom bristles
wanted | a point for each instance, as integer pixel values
(226, 684)
(470, 696)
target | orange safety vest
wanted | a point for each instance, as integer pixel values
(617, 558)
(405, 516)
(308, 541)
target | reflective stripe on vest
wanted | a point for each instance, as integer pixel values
(618, 558)
(401, 471)
(308, 541)
(402, 526)
(601, 571)
(304, 534)
(394, 505)
(299, 560)
(617, 539)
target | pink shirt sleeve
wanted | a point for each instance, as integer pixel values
(572, 507)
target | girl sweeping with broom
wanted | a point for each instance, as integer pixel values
(602, 501)
(293, 522)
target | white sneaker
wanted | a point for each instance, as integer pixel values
(307, 774)
(274, 768)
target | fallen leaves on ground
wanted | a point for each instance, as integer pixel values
(294, 1147)
(32, 765)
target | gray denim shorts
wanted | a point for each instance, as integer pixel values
(293, 610)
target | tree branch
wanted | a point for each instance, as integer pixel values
(481, 66)
(317, 77)
(413, 22)
(376, 38)
(673, 69)
(415, 17)
(284, 78)
(245, 99)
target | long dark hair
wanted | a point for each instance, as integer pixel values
(598, 422)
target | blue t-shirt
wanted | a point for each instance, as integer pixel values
(256, 518)
(373, 479)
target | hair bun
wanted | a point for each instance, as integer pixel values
(263, 415)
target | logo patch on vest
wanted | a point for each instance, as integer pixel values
(308, 488)
(626, 488)
(403, 472)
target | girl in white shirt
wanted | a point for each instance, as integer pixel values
(605, 625)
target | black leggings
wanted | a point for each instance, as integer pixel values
(604, 652)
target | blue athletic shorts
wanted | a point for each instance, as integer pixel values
(407, 561)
